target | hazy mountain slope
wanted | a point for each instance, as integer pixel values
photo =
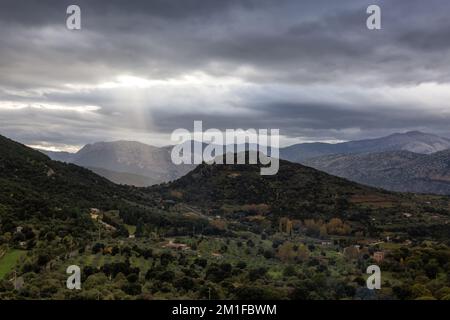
(127, 156)
(430, 174)
(132, 163)
(58, 155)
(125, 178)
(413, 141)
(392, 170)
(127, 162)
(435, 166)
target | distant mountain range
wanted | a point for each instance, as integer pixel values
(411, 161)
(126, 162)
(413, 141)
(130, 162)
(391, 170)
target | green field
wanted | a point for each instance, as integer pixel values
(9, 260)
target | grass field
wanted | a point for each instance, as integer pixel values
(8, 261)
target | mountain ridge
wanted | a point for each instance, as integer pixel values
(138, 164)
(402, 171)
(126, 162)
(414, 141)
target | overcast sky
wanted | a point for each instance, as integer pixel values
(137, 70)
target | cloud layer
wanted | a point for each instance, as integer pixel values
(139, 69)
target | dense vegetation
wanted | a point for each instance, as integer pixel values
(300, 192)
(219, 232)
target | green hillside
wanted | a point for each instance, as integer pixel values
(27, 178)
(220, 232)
(301, 192)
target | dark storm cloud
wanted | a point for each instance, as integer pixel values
(273, 51)
(291, 40)
(43, 12)
(165, 37)
(372, 117)
(318, 120)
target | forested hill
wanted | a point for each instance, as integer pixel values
(298, 192)
(30, 181)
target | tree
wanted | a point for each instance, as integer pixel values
(286, 252)
(323, 231)
(302, 253)
(432, 269)
(98, 247)
(289, 271)
(419, 290)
